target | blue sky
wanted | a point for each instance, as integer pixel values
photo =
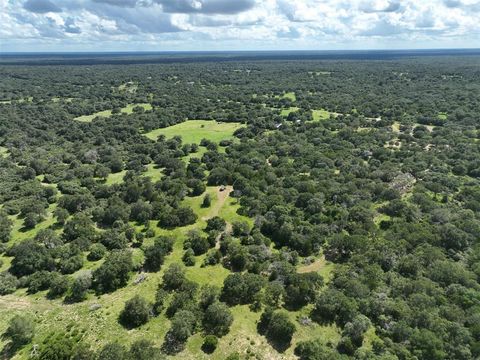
(161, 25)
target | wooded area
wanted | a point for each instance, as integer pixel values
(331, 212)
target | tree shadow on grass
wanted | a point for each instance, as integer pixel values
(9, 350)
(281, 347)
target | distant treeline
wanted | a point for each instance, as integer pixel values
(124, 58)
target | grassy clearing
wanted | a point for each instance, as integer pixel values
(115, 178)
(442, 116)
(18, 101)
(290, 95)
(59, 99)
(327, 333)
(396, 127)
(321, 266)
(129, 87)
(107, 113)
(19, 232)
(286, 112)
(3, 151)
(198, 155)
(153, 172)
(321, 114)
(129, 108)
(193, 131)
(89, 118)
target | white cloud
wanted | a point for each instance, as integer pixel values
(240, 24)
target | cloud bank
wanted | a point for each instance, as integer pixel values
(156, 25)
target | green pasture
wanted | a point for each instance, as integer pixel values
(107, 113)
(193, 131)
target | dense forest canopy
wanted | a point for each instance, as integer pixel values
(332, 210)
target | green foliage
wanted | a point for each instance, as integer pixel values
(57, 347)
(333, 305)
(78, 289)
(188, 257)
(209, 344)
(241, 288)
(207, 201)
(20, 331)
(355, 203)
(80, 226)
(155, 254)
(113, 351)
(316, 350)
(59, 285)
(135, 313)
(240, 228)
(182, 327)
(217, 319)
(145, 350)
(177, 217)
(8, 283)
(216, 223)
(209, 294)
(277, 327)
(30, 257)
(40, 280)
(198, 243)
(173, 277)
(97, 252)
(161, 296)
(114, 272)
(5, 227)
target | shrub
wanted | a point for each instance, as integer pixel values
(174, 277)
(240, 228)
(241, 288)
(113, 351)
(216, 223)
(144, 350)
(57, 347)
(97, 251)
(8, 283)
(189, 257)
(114, 272)
(183, 325)
(160, 297)
(5, 227)
(217, 319)
(155, 254)
(58, 287)
(207, 201)
(209, 344)
(135, 313)
(79, 288)
(277, 327)
(20, 331)
(39, 281)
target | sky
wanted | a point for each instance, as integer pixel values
(216, 25)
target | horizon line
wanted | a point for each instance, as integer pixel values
(235, 51)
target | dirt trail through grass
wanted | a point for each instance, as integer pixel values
(14, 302)
(221, 198)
